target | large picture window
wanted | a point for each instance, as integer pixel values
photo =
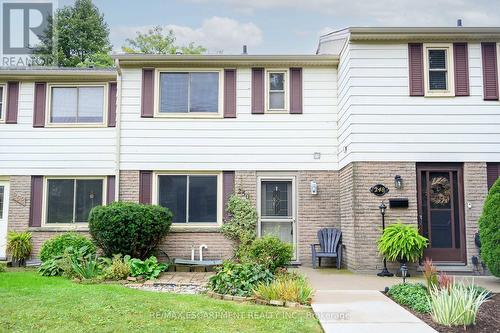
(191, 198)
(189, 92)
(74, 105)
(71, 200)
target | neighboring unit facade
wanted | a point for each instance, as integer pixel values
(187, 131)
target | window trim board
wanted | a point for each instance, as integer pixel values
(3, 108)
(220, 208)
(48, 104)
(156, 105)
(286, 86)
(450, 92)
(74, 225)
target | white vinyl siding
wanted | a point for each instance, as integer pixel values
(378, 121)
(55, 151)
(268, 142)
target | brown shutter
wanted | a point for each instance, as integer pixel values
(12, 102)
(112, 104)
(416, 69)
(110, 189)
(39, 104)
(258, 90)
(230, 93)
(145, 187)
(490, 71)
(227, 189)
(147, 92)
(36, 201)
(295, 90)
(493, 172)
(461, 59)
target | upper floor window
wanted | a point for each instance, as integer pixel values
(2, 102)
(70, 200)
(277, 90)
(439, 70)
(189, 92)
(77, 104)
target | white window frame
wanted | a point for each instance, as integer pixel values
(218, 114)
(45, 201)
(450, 77)
(220, 208)
(3, 107)
(293, 219)
(48, 106)
(286, 87)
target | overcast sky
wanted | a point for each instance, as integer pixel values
(282, 26)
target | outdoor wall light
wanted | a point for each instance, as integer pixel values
(314, 187)
(404, 272)
(398, 182)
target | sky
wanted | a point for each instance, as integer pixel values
(281, 26)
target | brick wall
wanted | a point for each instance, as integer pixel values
(129, 186)
(475, 191)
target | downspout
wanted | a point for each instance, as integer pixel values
(118, 128)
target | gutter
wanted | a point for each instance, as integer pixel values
(118, 129)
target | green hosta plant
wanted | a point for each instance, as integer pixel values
(19, 245)
(402, 242)
(149, 269)
(457, 305)
(239, 279)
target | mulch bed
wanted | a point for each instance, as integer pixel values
(487, 321)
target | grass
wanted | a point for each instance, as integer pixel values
(30, 302)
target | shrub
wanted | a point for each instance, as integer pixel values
(118, 269)
(489, 231)
(129, 228)
(3, 267)
(57, 245)
(286, 287)
(401, 242)
(62, 264)
(456, 306)
(19, 245)
(412, 295)
(239, 279)
(51, 267)
(271, 252)
(242, 222)
(148, 269)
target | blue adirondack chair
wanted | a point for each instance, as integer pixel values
(330, 246)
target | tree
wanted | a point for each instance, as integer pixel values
(75, 37)
(489, 230)
(155, 41)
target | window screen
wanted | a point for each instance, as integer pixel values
(438, 70)
(77, 105)
(277, 91)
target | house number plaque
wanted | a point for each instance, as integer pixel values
(379, 190)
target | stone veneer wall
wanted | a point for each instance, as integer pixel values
(19, 213)
(361, 219)
(313, 211)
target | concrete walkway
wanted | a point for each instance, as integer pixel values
(360, 311)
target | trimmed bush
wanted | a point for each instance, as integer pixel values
(270, 252)
(56, 246)
(489, 231)
(129, 228)
(412, 295)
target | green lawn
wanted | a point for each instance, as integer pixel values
(29, 302)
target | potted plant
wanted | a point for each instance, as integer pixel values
(402, 243)
(19, 246)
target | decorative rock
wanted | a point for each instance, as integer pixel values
(291, 304)
(131, 278)
(228, 297)
(210, 294)
(276, 302)
(218, 296)
(240, 298)
(172, 288)
(262, 301)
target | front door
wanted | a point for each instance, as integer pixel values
(4, 213)
(277, 209)
(441, 213)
